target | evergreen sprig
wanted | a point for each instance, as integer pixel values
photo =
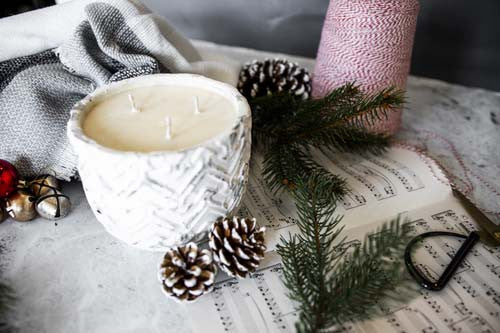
(288, 128)
(331, 280)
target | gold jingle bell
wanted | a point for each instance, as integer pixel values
(53, 206)
(20, 205)
(43, 185)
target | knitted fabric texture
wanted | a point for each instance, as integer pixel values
(116, 40)
(368, 42)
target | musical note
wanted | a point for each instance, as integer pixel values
(408, 178)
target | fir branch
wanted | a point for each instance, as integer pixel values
(282, 117)
(331, 280)
(308, 256)
(330, 286)
(287, 128)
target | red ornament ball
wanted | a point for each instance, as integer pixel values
(8, 178)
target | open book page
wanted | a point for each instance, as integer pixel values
(469, 303)
(380, 187)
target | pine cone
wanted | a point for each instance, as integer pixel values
(237, 245)
(270, 76)
(187, 272)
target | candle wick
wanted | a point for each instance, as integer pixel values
(132, 103)
(196, 105)
(168, 130)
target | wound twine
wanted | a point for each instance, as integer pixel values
(368, 42)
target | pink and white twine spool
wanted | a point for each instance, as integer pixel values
(368, 42)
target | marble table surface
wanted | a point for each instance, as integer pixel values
(72, 276)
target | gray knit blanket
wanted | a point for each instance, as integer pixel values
(115, 40)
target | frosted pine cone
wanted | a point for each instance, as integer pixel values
(187, 272)
(272, 76)
(237, 245)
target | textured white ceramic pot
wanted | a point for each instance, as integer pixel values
(159, 199)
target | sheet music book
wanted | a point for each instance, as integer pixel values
(402, 181)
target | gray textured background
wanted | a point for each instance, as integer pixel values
(456, 40)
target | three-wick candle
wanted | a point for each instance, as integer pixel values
(162, 156)
(160, 117)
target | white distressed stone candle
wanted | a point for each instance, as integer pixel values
(162, 156)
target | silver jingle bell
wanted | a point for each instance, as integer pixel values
(53, 205)
(20, 205)
(43, 185)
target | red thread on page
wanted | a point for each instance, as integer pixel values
(451, 178)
